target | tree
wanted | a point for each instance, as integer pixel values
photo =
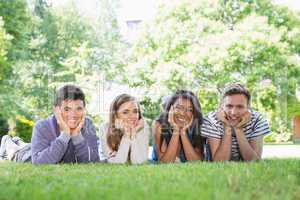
(4, 45)
(65, 47)
(51, 47)
(202, 45)
(15, 24)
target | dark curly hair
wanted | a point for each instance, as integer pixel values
(166, 129)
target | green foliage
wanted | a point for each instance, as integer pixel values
(24, 128)
(4, 46)
(3, 126)
(202, 45)
(52, 46)
(196, 45)
(209, 98)
(17, 23)
(14, 28)
(150, 109)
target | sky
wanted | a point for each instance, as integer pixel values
(138, 9)
(293, 4)
(129, 8)
(146, 7)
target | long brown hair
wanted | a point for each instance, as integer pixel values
(114, 135)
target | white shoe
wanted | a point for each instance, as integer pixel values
(17, 140)
(3, 146)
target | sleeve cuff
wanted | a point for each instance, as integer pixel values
(64, 137)
(77, 139)
(126, 137)
(140, 132)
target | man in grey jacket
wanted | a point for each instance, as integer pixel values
(67, 136)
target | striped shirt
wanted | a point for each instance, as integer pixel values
(214, 128)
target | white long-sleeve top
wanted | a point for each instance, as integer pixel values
(136, 148)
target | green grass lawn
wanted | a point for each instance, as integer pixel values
(268, 179)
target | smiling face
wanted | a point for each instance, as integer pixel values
(183, 111)
(235, 107)
(128, 112)
(72, 112)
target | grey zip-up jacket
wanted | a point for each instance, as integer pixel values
(50, 146)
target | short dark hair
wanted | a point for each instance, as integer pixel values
(236, 88)
(68, 92)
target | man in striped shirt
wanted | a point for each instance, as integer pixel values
(234, 131)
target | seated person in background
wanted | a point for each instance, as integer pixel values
(125, 138)
(14, 149)
(234, 131)
(68, 136)
(177, 132)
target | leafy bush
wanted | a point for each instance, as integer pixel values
(24, 128)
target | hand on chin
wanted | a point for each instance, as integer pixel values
(234, 122)
(181, 124)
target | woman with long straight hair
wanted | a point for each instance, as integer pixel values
(177, 132)
(125, 138)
